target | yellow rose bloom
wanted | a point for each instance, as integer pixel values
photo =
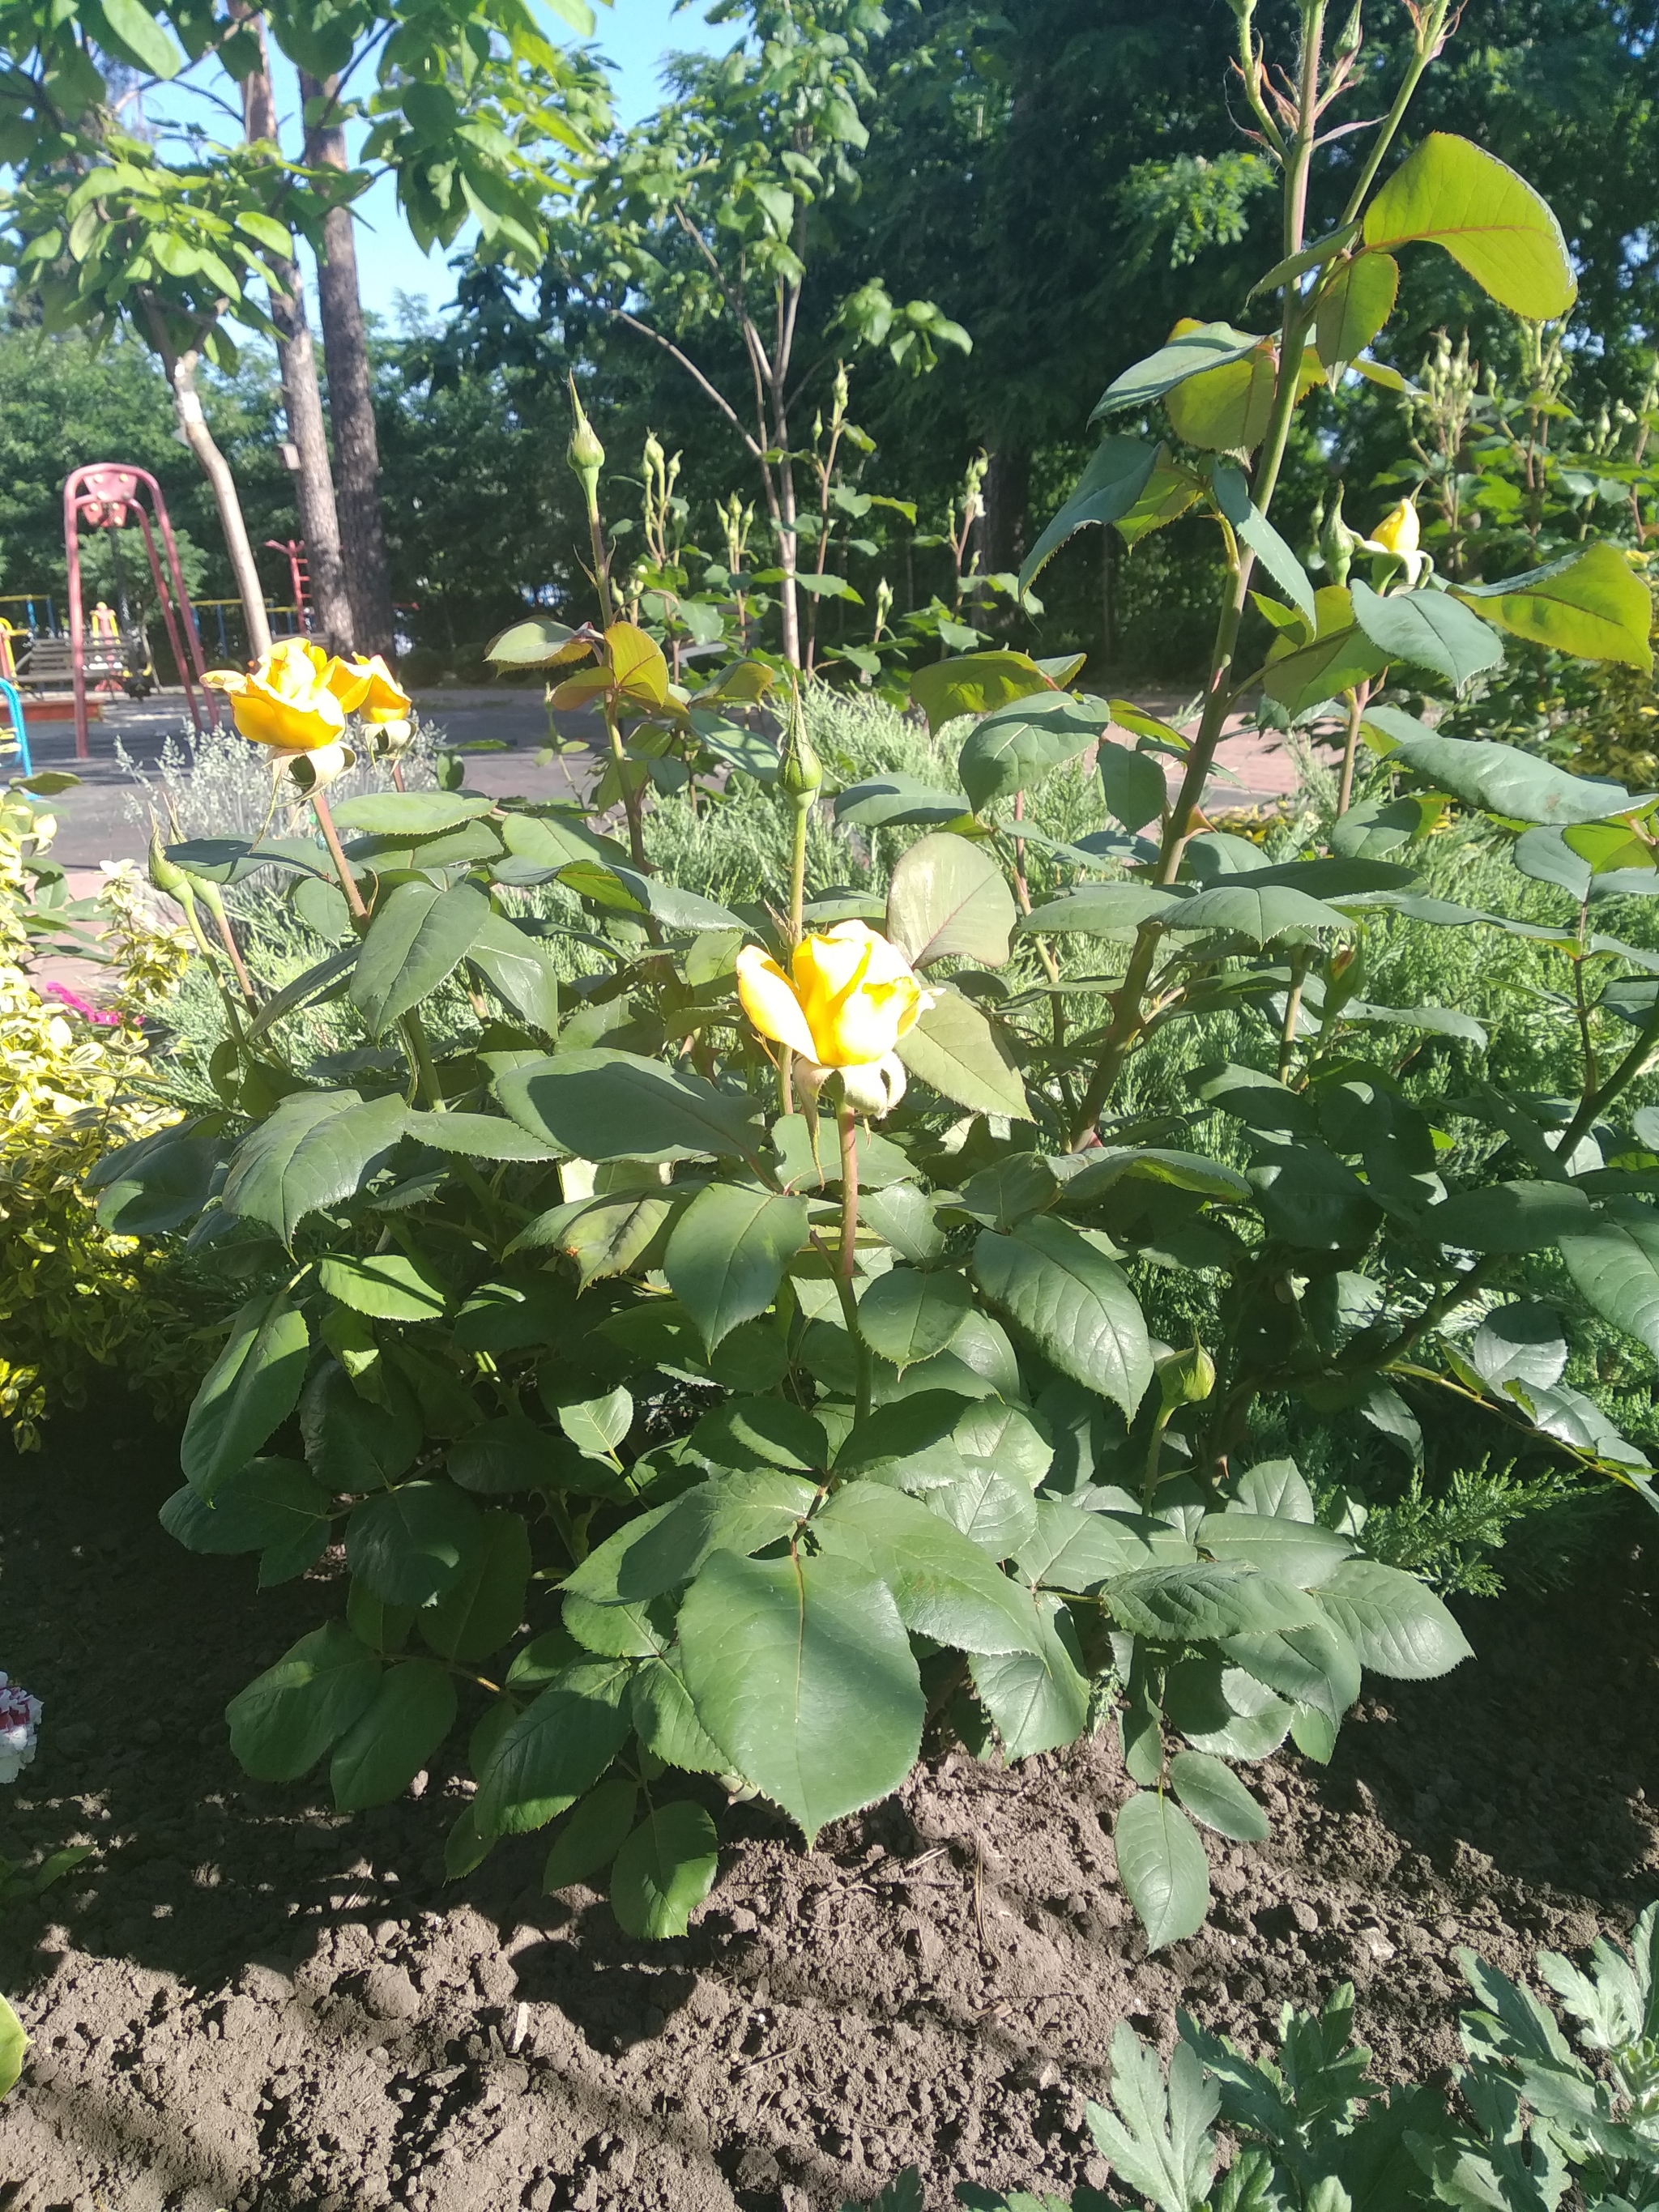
(1398, 531)
(849, 997)
(368, 688)
(283, 701)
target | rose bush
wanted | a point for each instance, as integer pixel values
(662, 1432)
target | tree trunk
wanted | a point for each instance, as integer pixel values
(351, 395)
(1007, 497)
(302, 401)
(182, 372)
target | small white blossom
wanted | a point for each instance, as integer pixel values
(20, 1721)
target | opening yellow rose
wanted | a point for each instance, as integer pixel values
(284, 700)
(368, 688)
(1400, 533)
(849, 997)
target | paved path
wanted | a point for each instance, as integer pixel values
(100, 821)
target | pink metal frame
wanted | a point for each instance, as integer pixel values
(99, 496)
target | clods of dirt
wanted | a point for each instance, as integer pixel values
(243, 2000)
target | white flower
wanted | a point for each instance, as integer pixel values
(19, 1721)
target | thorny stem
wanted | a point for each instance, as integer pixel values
(849, 1190)
(1356, 699)
(1431, 38)
(630, 797)
(601, 564)
(1591, 1072)
(848, 1255)
(354, 897)
(1596, 1096)
(797, 925)
(420, 1054)
(1456, 1293)
(1292, 1013)
(1128, 1011)
(226, 936)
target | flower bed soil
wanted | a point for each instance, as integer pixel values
(244, 2000)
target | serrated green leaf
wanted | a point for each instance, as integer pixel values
(906, 1316)
(1039, 1699)
(727, 1253)
(410, 1545)
(801, 1670)
(315, 1149)
(482, 1609)
(1117, 474)
(975, 684)
(947, 900)
(598, 1828)
(393, 1739)
(384, 1285)
(1208, 1598)
(960, 1053)
(286, 1717)
(418, 936)
(1589, 603)
(1073, 1301)
(1615, 1264)
(666, 1721)
(1519, 786)
(1207, 346)
(1395, 1623)
(1457, 196)
(608, 1105)
(1162, 1866)
(251, 1388)
(944, 1585)
(1018, 746)
(664, 1870)
(556, 1750)
(1214, 1795)
(1429, 629)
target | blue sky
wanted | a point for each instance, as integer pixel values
(635, 35)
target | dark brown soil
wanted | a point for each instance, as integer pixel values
(246, 2001)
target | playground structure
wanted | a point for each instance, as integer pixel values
(101, 497)
(18, 739)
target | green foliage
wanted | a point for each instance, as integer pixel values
(1313, 2131)
(77, 1291)
(799, 1438)
(14, 2047)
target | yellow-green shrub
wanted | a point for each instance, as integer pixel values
(71, 1295)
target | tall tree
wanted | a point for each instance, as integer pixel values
(704, 224)
(350, 393)
(333, 613)
(108, 229)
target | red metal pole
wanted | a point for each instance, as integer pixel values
(77, 649)
(181, 659)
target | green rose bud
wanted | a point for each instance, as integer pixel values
(166, 877)
(1337, 541)
(585, 454)
(801, 772)
(1186, 1378)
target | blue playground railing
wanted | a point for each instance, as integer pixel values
(20, 736)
